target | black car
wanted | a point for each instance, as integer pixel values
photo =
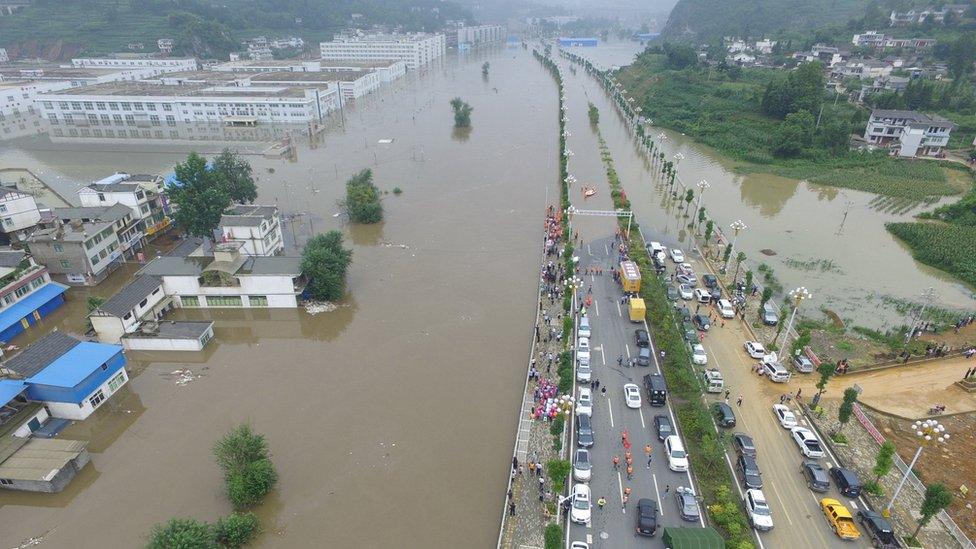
(716, 294)
(751, 477)
(584, 431)
(724, 415)
(644, 357)
(744, 445)
(846, 481)
(673, 293)
(687, 504)
(710, 281)
(642, 339)
(702, 322)
(646, 517)
(878, 529)
(684, 313)
(815, 476)
(663, 425)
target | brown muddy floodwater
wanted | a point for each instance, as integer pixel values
(390, 420)
(828, 239)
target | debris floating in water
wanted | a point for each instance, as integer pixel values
(391, 245)
(184, 376)
(316, 307)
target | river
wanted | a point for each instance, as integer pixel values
(828, 239)
(390, 420)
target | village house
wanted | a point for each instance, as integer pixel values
(18, 214)
(81, 252)
(143, 194)
(908, 133)
(257, 228)
(26, 293)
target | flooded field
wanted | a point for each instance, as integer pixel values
(390, 420)
(829, 239)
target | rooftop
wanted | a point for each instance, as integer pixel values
(151, 89)
(317, 76)
(246, 215)
(42, 352)
(913, 116)
(55, 72)
(194, 266)
(10, 259)
(29, 303)
(128, 297)
(39, 459)
(69, 233)
(72, 367)
(109, 214)
(169, 329)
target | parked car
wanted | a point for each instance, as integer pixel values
(687, 504)
(839, 518)
(673, 293)
(878, 529)
(769, 315)
(698, 355)
(710, 281)
(701, 322)
(808, 442)
(646, 517)
(716, 294)
(725, 308)
(755, 349)
(846, 481)
(685, 291)
(677, 457)
(584, 327)
(584, 404)
(785, 416)
(775, 371)
(583, 349)
(581, 504)
(584, 432)
(644, 357)
(579, 545)
(685, 268)
(758, 511)
(583, 372)
(684, 313)
(654, 247)
(662, 424)
(749, 469)
(582, 466)
(743, 444)
(724, 415)
(677, 255)
(687, 278)
(641, 337)
(802, 364)
(815, 476)
(632, 395)
(702, 295)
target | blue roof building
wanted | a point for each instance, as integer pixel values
(578, 42)
(72, 378)
(26, 293)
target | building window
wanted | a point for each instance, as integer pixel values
(6, 482)
(258, 300)
(37, 282)
(65, 264)
(190, 301)
(224, 301)
(58, 248)
(22, 291)
(94, 259)
(96, 399)
(205, 338)
(3, 208)
(117, 381)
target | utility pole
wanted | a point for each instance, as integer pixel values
(927, 296)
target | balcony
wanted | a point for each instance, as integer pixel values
(25, 269)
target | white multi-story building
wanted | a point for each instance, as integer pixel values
(480, 34)
(388, 70)
(159, 65)
(3, 55)
(257, 228)
(143, 193)
(868, 38)
(416, 50)
(909, 133)
(18, 213)
(165, 45)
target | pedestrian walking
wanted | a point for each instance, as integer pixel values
(531, 467)
(630, 472)
(624, 501)
(667, 488)
(509, 494)
(726, 395)
(798, 391)
(620, 360)
(538, 470)
(542, 484)
(511, 509)
(514, 463)
(601, 502)
(616, 462)
(738, 401)
(604, 391)
(782, 398)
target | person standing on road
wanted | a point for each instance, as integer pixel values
(604, 391)
(738, 401)
(648, 450)
(616, 462)
(620, 360)
(601, 502)
(630, 472)
(727, 396)
(511, 509)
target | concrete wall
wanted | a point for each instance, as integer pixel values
(163, 344)
(280, 290)
(59, 482)
(20, 212)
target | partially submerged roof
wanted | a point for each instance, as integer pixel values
(190, 246)
(40, 459)
(246, 215)
(72, 367)
(11, 258)
(42, 352)
(176, 266)
(127, 298)
(174, 329)
(278, 265)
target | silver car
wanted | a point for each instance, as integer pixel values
(687, 504)
(802, 364)
(582, 468)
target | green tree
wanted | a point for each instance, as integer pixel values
(826, 371)
(801, 89)
(249, 486)
(709, 227)
(749, 277)
(236, 529)
(846, 407)
(237, 175)
(767, 294)
(558, 471)
(937, 498)
(239, 447)
(462, 113)
(594, 114)
(794, 134)
(554, 536)
(362, 202)
(325, 262)
(94, 301)
(200, 196)
(181, 533)
(679, 56)
(739, 258)
(884, 461)
(727, 254)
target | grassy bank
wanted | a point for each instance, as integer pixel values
(947, 246)
(722, 110)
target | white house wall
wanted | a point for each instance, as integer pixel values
(161, 344)
(24, 430)
(70, 410)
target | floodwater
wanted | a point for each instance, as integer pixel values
(390, 420)
(828, 239)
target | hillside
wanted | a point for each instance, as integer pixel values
(700, 21)
(204, 28)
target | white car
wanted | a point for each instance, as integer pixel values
(758, 510)
(579, 545)
(686, 268)
(583, 349)
(685, 291)
(584, 327)
(677, 255)
(582, 466)
(581, 504)
(784, 415)
(755, 349)
(655, 247)
(583, 372)
(725, 308)
(698, 355)
(808, 442)
(632, 395)
(677, 457)
(584, 404)
(702, 295)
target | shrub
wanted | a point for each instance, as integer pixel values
(362, 201)
(325, 262)
(397, 190)
(554, 536)
(181, 533)
(238, 448)
(248, 487)
(873, 488)
(558, 472)
(558, 423)
(236, 529)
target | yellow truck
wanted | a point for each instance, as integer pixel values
(630, 277)
(840, 519)
(638, 310)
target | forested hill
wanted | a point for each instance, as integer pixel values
(204, 28)
(701, 21)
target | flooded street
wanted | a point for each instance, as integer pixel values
(391, 419)
(829, 239)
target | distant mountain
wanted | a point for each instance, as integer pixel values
(204, 28)
(701, 21)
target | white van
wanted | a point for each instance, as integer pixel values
(725, 308)
(774, 370)
(677, 457)
(584, 326)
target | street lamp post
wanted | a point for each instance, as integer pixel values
(927, 431)
(702, 185)
(737, 226)
(797, 295)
